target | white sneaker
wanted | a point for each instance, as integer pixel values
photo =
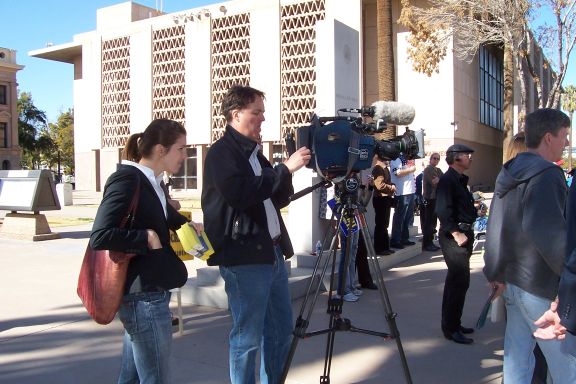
(357, 292)
(350, 297)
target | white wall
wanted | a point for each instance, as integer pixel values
(265, 62)
(432, 97)
(337, 86)
(198, 89)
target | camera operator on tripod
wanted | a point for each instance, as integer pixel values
(241, 200)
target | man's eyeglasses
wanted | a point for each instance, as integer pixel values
(434, 158)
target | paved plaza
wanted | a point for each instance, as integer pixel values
(47, 337)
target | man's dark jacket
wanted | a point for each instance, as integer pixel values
(567, 289)
(526, 231)
(233, 202)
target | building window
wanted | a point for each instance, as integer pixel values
(3, 135)
(187, 176)
(491, 87)
(3, 95)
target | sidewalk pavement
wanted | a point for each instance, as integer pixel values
(47, 337)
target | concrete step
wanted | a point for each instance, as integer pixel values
(196, 292)
(207, 287)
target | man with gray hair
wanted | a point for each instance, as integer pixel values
(525, 245)
(455, 209)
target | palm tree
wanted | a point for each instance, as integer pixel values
(569, 105)
(386, 71)
(508, 98)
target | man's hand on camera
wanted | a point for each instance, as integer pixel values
(298, 159)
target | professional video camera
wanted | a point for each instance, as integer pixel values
(344, 144)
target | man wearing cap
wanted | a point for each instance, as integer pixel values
(525, 245)
(456, 212)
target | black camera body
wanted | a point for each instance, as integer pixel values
(341, 145)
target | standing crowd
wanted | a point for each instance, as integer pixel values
(530, 252)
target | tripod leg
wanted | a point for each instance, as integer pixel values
(316, 280)
(389, 313)
(335, 306)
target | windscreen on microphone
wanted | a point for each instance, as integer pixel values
(393, 112)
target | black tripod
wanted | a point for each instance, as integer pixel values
(348, 212)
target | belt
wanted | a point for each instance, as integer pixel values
(276, 241)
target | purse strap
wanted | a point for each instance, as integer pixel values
(131, 213)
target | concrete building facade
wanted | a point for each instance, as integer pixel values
(140, 64)
(308, 56)
(10, 152)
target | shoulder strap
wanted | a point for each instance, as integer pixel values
(131, 213)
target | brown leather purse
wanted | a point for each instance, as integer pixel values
(103, 275)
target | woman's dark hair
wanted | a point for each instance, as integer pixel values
(238, 97)
(160, 131)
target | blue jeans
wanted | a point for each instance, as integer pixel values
(147, 338)
(403, 213)
(351, 270)
(261, 308)
(522, 309)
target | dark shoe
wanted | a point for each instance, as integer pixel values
(431, 248)
(408, 242)
(397, 246)
(466, 331)
(459, 338)
(175, 321)
(369, 286)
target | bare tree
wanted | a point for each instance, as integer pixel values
(469, 24)
(569, 105)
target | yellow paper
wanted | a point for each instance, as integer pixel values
(194, 243)
(175, 241)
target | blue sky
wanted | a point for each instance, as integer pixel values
(29, 25)
(34, 23)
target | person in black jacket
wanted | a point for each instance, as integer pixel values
(241, 199)
(155, 269)
(525, 245)
(456, 212)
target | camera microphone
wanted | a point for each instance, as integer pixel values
(393, 112)
(364, 111)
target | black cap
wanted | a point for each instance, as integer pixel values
(459, 148)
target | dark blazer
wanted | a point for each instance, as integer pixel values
(567, 288)
(454, 203)
(149, 270)
(233, 202)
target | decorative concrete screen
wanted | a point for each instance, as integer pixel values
(230, 62)
(298, 71)
(115, 92)
(168, 67)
